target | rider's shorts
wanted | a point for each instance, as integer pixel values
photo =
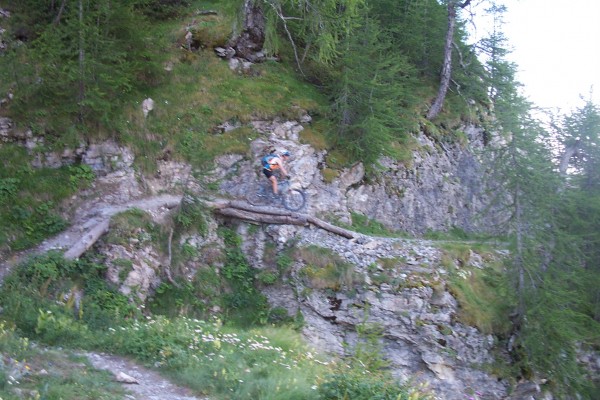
(268, 173)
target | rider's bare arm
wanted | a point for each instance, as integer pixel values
(279, 162)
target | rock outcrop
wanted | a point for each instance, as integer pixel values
(397, 285)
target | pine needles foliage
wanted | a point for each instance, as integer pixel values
(84, 60)
(373, 95)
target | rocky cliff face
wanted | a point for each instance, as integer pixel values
(442, 188)
(400, 286)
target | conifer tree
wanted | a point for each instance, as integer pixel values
(579, 135)
(554, 312)
(86, 56)
(314, 27)
(446, 72)
(372, 94)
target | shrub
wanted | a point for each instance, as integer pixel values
(325, 269)
(356, 386)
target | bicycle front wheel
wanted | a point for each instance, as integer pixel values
(294, 199)
(257, 196)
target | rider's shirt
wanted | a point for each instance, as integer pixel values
(271, 162)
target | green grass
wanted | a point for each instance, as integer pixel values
(212, 356)
(202, 93)
(67, 377)
(133, 224)
(30, 198)
(325, 269)
(483, 292)
(368, 226)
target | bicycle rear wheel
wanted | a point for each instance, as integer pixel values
(294, 199)
(257, 196)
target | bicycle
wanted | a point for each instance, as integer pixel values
(261, 195)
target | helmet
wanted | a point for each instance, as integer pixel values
(285, 153)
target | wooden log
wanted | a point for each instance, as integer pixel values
(269, 215)
(87, 240)
(242, 205)
(331, 228)
(258, 217)
(233, 209)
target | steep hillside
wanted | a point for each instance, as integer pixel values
(134, 206)
(407, 295)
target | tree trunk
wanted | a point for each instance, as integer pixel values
(519, 257)
(87, 240)
(446, 74)
(252, 37)
(232, 209)
(81, 95)
(60, 12)
(565, 158)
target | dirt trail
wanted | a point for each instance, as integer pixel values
(91, 216)
(150, 385)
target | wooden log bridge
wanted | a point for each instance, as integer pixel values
(233, 209)
(271, 215)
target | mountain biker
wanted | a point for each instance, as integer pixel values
(273, 162)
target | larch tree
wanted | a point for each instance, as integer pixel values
(579, 135)
(372, 91)
(453, 7)
(82, 57)
(315, 28)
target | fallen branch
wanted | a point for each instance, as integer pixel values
(169, 259)
(331, 228)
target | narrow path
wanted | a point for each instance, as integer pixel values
(90, 217)
(88, 220)
(149, 384)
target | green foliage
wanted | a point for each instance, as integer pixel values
(70, 377)
(372, 95)
(132, 224)
(81, 63)
(244, 304)
(30, 198)
(81, 176)
(184, 122)
(8, 189)
(363, 224)
(549, 265)
(53, 329)
(579, 134)
(418, 30)
(366, 376)
(319, 26)
(191, 216)
(162, 9)
(189, 299)
(284, 262)
(40, 298)
(558, 316)
(484, 296)
(358, 386)
(254, 365)
(267, 277)
(325, 269)
(368, 352)
(257, 364)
